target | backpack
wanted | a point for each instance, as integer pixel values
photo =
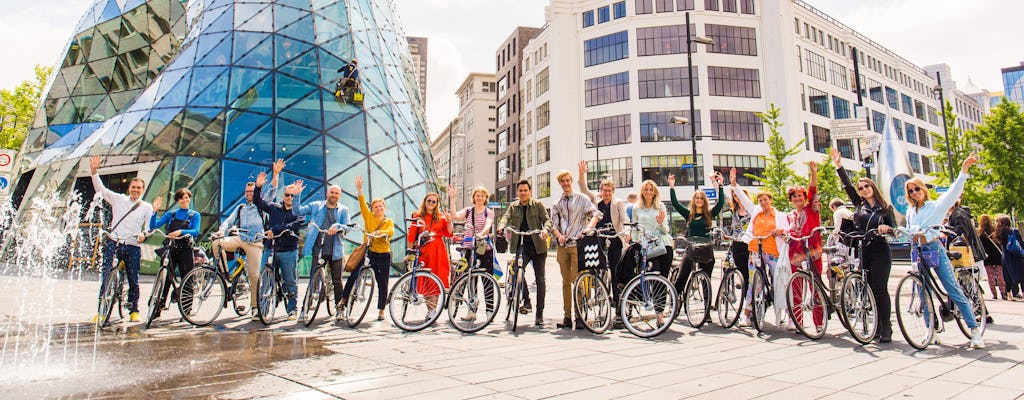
(1013, 243)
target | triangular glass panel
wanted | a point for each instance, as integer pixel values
(289, 138)
(328, 30)
(284, 16)
(350, 174)
(289, 90)
(245, 11)
(223, 23)
(256, 148)
(329, 65)
(309, 159)
(242, 79)
(335, 110)
(186, 58)
(382, 181)
(214, 49)
(338, 156)
(299, 30)
(263, 21)
(240, 125)
(235, 174)
(305, 112)
(165, 141)
(288, 49)
(253, 49)
(258, 98)
(303, 67)
(103, 111)
(214, 93)
(202, 140)
(352, 133)
(340, 47)
(381, 138)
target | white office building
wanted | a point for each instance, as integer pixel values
(472, 139)
(608, 77)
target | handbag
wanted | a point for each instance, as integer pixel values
(1013, 244)
(655, 249)
(356, 257)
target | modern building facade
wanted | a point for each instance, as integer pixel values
(247, 83)
(471, 138)
(449, 145)
(966, 103)
(604, 80)
(418, 48)
(509, 67)
(1013, 83)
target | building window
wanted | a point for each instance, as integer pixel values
(923, 138)
(734, 82)
(502, 88)
(736, 125)
(658, 126)
(603, 15)
(542, 82)
(747, 7)
(503, 169)
(818, 101)
(588, 19)
(620, 9)
(732, 39)
(898, 125)
(619, 170)
(664, 82)
(659, 40)
(529, 122)
(933, 115)
(926, 165)
(840, 107)
(543, 115)
(845, 147)
(838, 73)
(606, 89)
(729, 6)
(684, 5)
(529, 91)
(502, 114)
(644, 7)
(892, 98)
(822, 139)
(815, 65)
(502, 142)
(919, 110)
(711, 5)
(544, 185)
(609, 131)
(524, 155)
(911, 133)
(752, 165)
(657, 169)
(877, 121)
(875, 91)
(915, 161)
(663, 6)
(606, 48)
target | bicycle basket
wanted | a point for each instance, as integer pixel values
(701, 249)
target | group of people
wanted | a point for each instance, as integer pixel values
(260, 222)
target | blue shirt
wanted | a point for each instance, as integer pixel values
(316, 211)
(191, 215)
(249, 218)
(933, 212)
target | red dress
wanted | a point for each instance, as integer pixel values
(801, 223)
(433, 255)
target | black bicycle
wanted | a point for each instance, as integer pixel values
(271, 284)
(361, 293)
(473, 291)
(695, 299)
(113, 293)
(761, 288)
(165, 277)
(729, 301)
(515, 284)
(591, 296)
(320, 289)
(856, 302)
(209, 288)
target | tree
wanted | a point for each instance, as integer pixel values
(18, 108)
(1001, 136)
(829, 186)
(961, 145)
(778, 173)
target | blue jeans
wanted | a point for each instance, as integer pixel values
(936, 258)
(131, 255)
(285, 262)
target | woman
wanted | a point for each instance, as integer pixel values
(1011, 263)
(766, 221)
(481, 219)
(699, 218)
(805, 217)
(650, 213)
(738, 225)
(922, 213)
(872, 212)
(380, 248)
(177, 224)
(993, 256)
(433, 254)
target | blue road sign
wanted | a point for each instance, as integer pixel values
(711, 193)
(941, 189)
(3, 183)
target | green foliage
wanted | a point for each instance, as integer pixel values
(778, 173)
(1001, 136)
(829, 187)
(961, 145)
(18, 107)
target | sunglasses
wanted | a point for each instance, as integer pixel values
(863, 187)
(431, 201)
(289, 195)
(915, 189)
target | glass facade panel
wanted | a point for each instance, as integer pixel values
(658, 126)
(658, 168)
(910, 133)
(619, 170)
(841, 107)
(734, 82)
(660, 40)
(815, 64)
(605, 89)
(608, 131)
(818, 102)
(892, 97)
(736, 125)
(838, 73)
(745, 165)
(606, 48)
(731, 39)
(822, 139)
(665, 82)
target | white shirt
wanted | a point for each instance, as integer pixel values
(135, 223)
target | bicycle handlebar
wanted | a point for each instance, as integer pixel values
(808, 237)
(527, 233)
(859, 236)
(370, 234)
(721, 232)
(900, 231)
(118, 239)
(164, 234)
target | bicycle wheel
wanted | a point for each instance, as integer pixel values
(759, 299)
(360, 295)
(267, 303)
(975, 297)
(729, 302)
(473, 301)
(696, 299)
(835, 296)
(203, 296)
(915, 312)
(593, 302)
(806, 305)
(414, 301)
(517, 297)
(314, 296)
(510, 291)
(241, 294)
(156, 300)
(108, 296)
(857, 305)
(645, 301)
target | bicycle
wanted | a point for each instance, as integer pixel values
(417, 287)
(729, 300)
(857, 304)
(112, 290)
(208, 285)
(466, 294)
(805, 292)
(648, 295)
(164, 277)
(515, 284)
(271, 284)
(762, 294)
(696, 297)
(591, 296)
(319, 288)
(917, 291)
(361, 292)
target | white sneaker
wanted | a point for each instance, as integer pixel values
(744, 322)
(470, 316)
(976, 341)
(935, 339)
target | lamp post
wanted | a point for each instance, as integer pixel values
(690, 40)
(945, 127)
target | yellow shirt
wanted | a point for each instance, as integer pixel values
(370, 221)
(764, 224)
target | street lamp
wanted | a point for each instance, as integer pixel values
(690, 40)
(945, 127)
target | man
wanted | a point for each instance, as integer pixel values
(130, 219)
(631, 200)
(572, 216)
(526, 214)
(280, 218)
(613, 213)
(334, 218)
(349, 77)
(246, 226)
(962, 221)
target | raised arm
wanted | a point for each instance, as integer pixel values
(97, 184)
(946, 200)
(720, 204)
(738, 194)
(844, 177)
(257, 195)
(582, 181)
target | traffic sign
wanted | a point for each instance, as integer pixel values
(941, 189)
(851, 128)
(4, 183)
(711, 193)
(868, 165)
(494, 204)
(6, 160)
(686, 166)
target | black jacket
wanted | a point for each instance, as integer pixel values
(963, 223)
(279, 220)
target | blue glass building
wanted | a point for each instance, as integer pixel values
(205, 94)
(1013, 84)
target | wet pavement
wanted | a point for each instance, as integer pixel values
(239, 358)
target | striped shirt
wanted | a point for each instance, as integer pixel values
(476, 220)
(571, 214)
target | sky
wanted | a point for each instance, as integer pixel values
(976, 38)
